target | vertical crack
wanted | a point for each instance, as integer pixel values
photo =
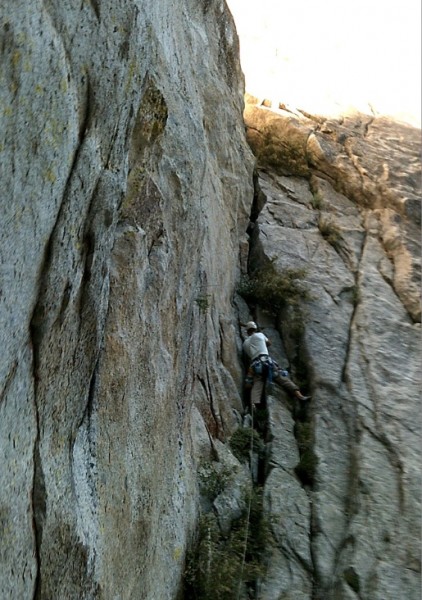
(37, 329)
(356, 300)
(207, 389)
(38, 484)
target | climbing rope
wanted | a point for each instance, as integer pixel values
(248, 514)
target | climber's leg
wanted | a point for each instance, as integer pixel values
(257, 390)
(289, 387)
(286, 383)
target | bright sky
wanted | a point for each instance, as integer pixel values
(332, 55)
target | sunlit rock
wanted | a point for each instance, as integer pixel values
(348, 226)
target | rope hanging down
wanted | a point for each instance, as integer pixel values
(248, 515)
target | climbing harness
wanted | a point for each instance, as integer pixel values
(264, 365)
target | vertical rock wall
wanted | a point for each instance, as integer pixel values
(125, 189)
(342, 203)
(126, 185)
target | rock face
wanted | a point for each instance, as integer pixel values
(341, 203)
(127, 189)
(126, 185)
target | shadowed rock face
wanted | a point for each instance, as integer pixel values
(126, 182)
(348, 222)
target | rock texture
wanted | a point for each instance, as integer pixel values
(126, 184)
(127, 187)
(341, 203)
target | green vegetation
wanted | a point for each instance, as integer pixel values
(213, 478)
(317, 201)
(304, 435)
(203, 302)
(219, 565)
(285, 159)
(356, 295)
(330, 232)
(305, 469)
(241, 441)
(274, 290)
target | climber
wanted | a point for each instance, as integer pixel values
(263, 368)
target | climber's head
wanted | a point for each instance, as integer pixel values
(251, 327)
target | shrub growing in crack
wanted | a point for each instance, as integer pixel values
(242, 440)
(213, 478)
(218, 566)
(274, 290)
(330, 232)
(317, 201)
(203, 302)
(356, 295)
(284, 159)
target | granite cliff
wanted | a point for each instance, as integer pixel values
(126, 184)
(342, 207)
(128, 189)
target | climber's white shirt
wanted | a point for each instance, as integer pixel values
(255, 345)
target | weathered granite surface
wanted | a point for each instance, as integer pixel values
(374, 162)
(126, 185)
(347, 221)
(126, 194)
